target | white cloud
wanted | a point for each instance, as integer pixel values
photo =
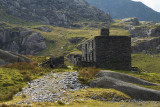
(154, 4)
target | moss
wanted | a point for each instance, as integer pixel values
(100, 94)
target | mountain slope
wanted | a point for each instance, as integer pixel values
(119, 9)
(53, 12)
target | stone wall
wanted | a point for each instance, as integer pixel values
(113, 52)
(54, 62)
(110, 52)
(88, 51)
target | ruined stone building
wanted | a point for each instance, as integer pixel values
(104, 51)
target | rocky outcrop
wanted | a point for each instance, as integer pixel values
(145, 31)
(140, 31)
(44, 29)
(132, 21)
(123, 83)
(8, 58)
(75, 40)
(20, 40)
(53, 12)
(151, 46)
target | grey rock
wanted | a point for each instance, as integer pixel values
(51, 88)
(111, 81)
(147, 23)
(75, 40)
(151, 46)
(22, 41)
(76, 26)
(125, 77)
(54, 12)
(44, 29)
(133, 21)
(145, 31)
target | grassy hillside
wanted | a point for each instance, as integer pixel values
(147, 63)
(15, 76)
(61, 37)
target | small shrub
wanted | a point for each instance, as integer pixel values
(20, 88)
(27, 77)
(24, 96)
(7, 97)
(14, 91)
(4, 105)
(87, 74)
(76, 68)
(60, 102)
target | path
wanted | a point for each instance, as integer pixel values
(51, 88)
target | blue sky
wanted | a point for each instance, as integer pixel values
(154, 4)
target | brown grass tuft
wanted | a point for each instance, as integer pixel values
(87, 74)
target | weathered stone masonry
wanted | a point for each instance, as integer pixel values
(111, 52)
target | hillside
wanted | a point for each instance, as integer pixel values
(126, 8)
(53, 12)
(34, 32)
(63, 86)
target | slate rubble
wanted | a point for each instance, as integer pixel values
(51, 88)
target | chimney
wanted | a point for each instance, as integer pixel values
(105, 32)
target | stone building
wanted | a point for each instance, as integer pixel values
(110, 52)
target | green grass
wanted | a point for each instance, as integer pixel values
(100, 94)
(15, 76)
(93, 103)
(11, 81)
(147, 63)
(61, 37)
